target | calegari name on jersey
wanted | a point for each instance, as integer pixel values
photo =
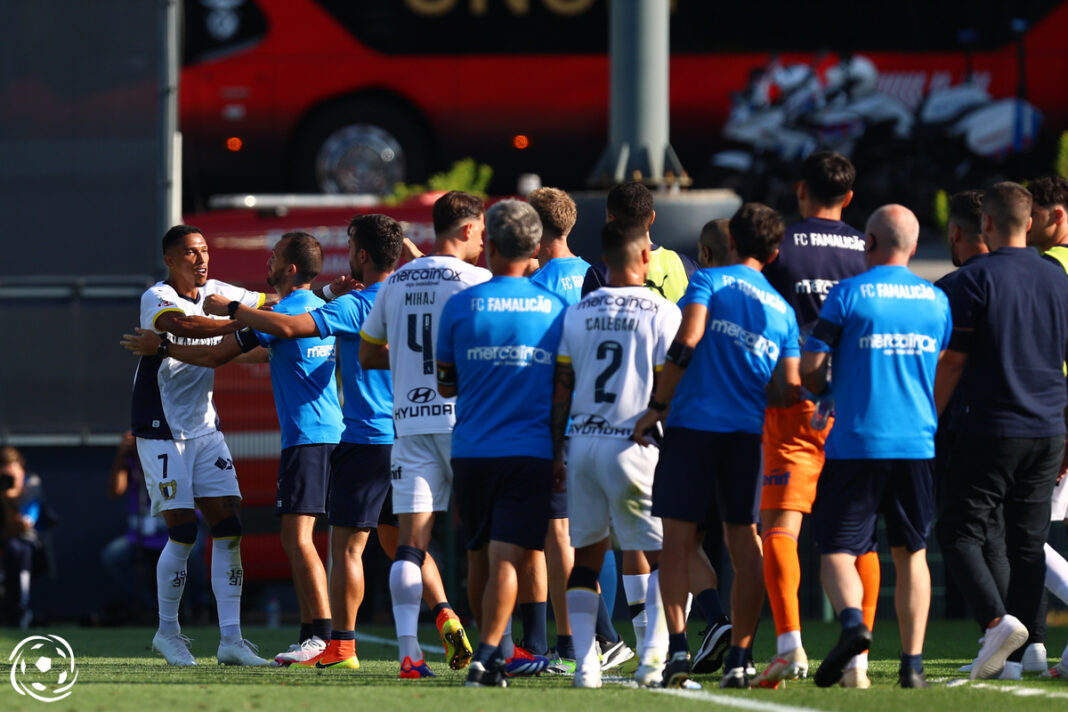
(405, 315)
(616, 339)
(172, 400)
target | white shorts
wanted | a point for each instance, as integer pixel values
(179, 471)
(421, 473)
(610, 482)
(1059, 510)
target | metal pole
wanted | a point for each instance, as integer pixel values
(639, 146)
(169, 191)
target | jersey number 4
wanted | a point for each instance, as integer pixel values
(426, 345)
(612, 351)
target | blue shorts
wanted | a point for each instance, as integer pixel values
(702, 474)
(303, 473)
(558, 505)
(503, 499)
(851, 494)
(359, 486)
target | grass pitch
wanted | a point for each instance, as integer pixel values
(118, 671)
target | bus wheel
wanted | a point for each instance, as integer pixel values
(360, 146)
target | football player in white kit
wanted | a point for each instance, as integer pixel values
(183, 454)
(399, 334)
(614, 342)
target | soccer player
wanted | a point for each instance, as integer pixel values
(1049, 233)
(816, 253)
(886, 329)
(562, 273)
(496, 349)
(183, 453)
(669, 271)
(614, 342)
(1010, 333)
(737, 335)
(359, 466)
(399, 334)
(305, 394)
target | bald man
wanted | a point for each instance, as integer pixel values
(885, 330)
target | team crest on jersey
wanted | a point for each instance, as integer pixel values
(168, 489)
(164, 303)
(223, 464)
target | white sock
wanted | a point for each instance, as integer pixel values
(507, 646)
(170, 583)
(656, 632)
(788, 641)
(636, 587)
(24, 589)
(582, 615)
(1056, 573)
(227, 581)
(406, 588)
(858, 661)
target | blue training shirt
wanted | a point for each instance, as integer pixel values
(302, 376)
(885, 329)
(502, 336)
(563, 276)
(368, 408)
(750, 327)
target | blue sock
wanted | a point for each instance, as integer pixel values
(708, 600)
(735, 658)
(532, 616)
(913, 661)
(484, 654)
(851, 618)
(565, 647)
(609, 579)
(605, 629)
(677, 643)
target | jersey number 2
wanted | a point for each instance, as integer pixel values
(613, 351)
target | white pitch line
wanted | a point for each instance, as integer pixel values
(739, 702)
(1021, 691)
(392, 641)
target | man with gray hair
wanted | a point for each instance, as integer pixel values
(496, 353)
(885, 330)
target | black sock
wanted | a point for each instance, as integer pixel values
(708, 600)
(305, 632)
(677, 643)
(565, 647)
(532, 616)
(605, 629)
(443, 606)
(321, 627)
(913, 661)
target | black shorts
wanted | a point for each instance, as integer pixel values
(359, 486)
(503, 499)
(303, 473)
(851, 494)
(702, 474)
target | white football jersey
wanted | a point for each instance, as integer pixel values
(405, 315)
(615, 339)
(173, 400)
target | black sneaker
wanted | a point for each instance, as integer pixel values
(909, 678)
(677, 670)
(714, 643)
(735, 679)
(852, 641)
(479, 676)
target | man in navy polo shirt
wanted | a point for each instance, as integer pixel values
(886, 330)
(1010, 333)
(496, 353)
(736, 333)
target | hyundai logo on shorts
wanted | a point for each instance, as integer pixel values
(422, 395)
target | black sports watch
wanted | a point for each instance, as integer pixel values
(232, 308)
(657, 405)
(163, 349)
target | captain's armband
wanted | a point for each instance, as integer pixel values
(246, 339)
(679, 354)
(446, 375)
